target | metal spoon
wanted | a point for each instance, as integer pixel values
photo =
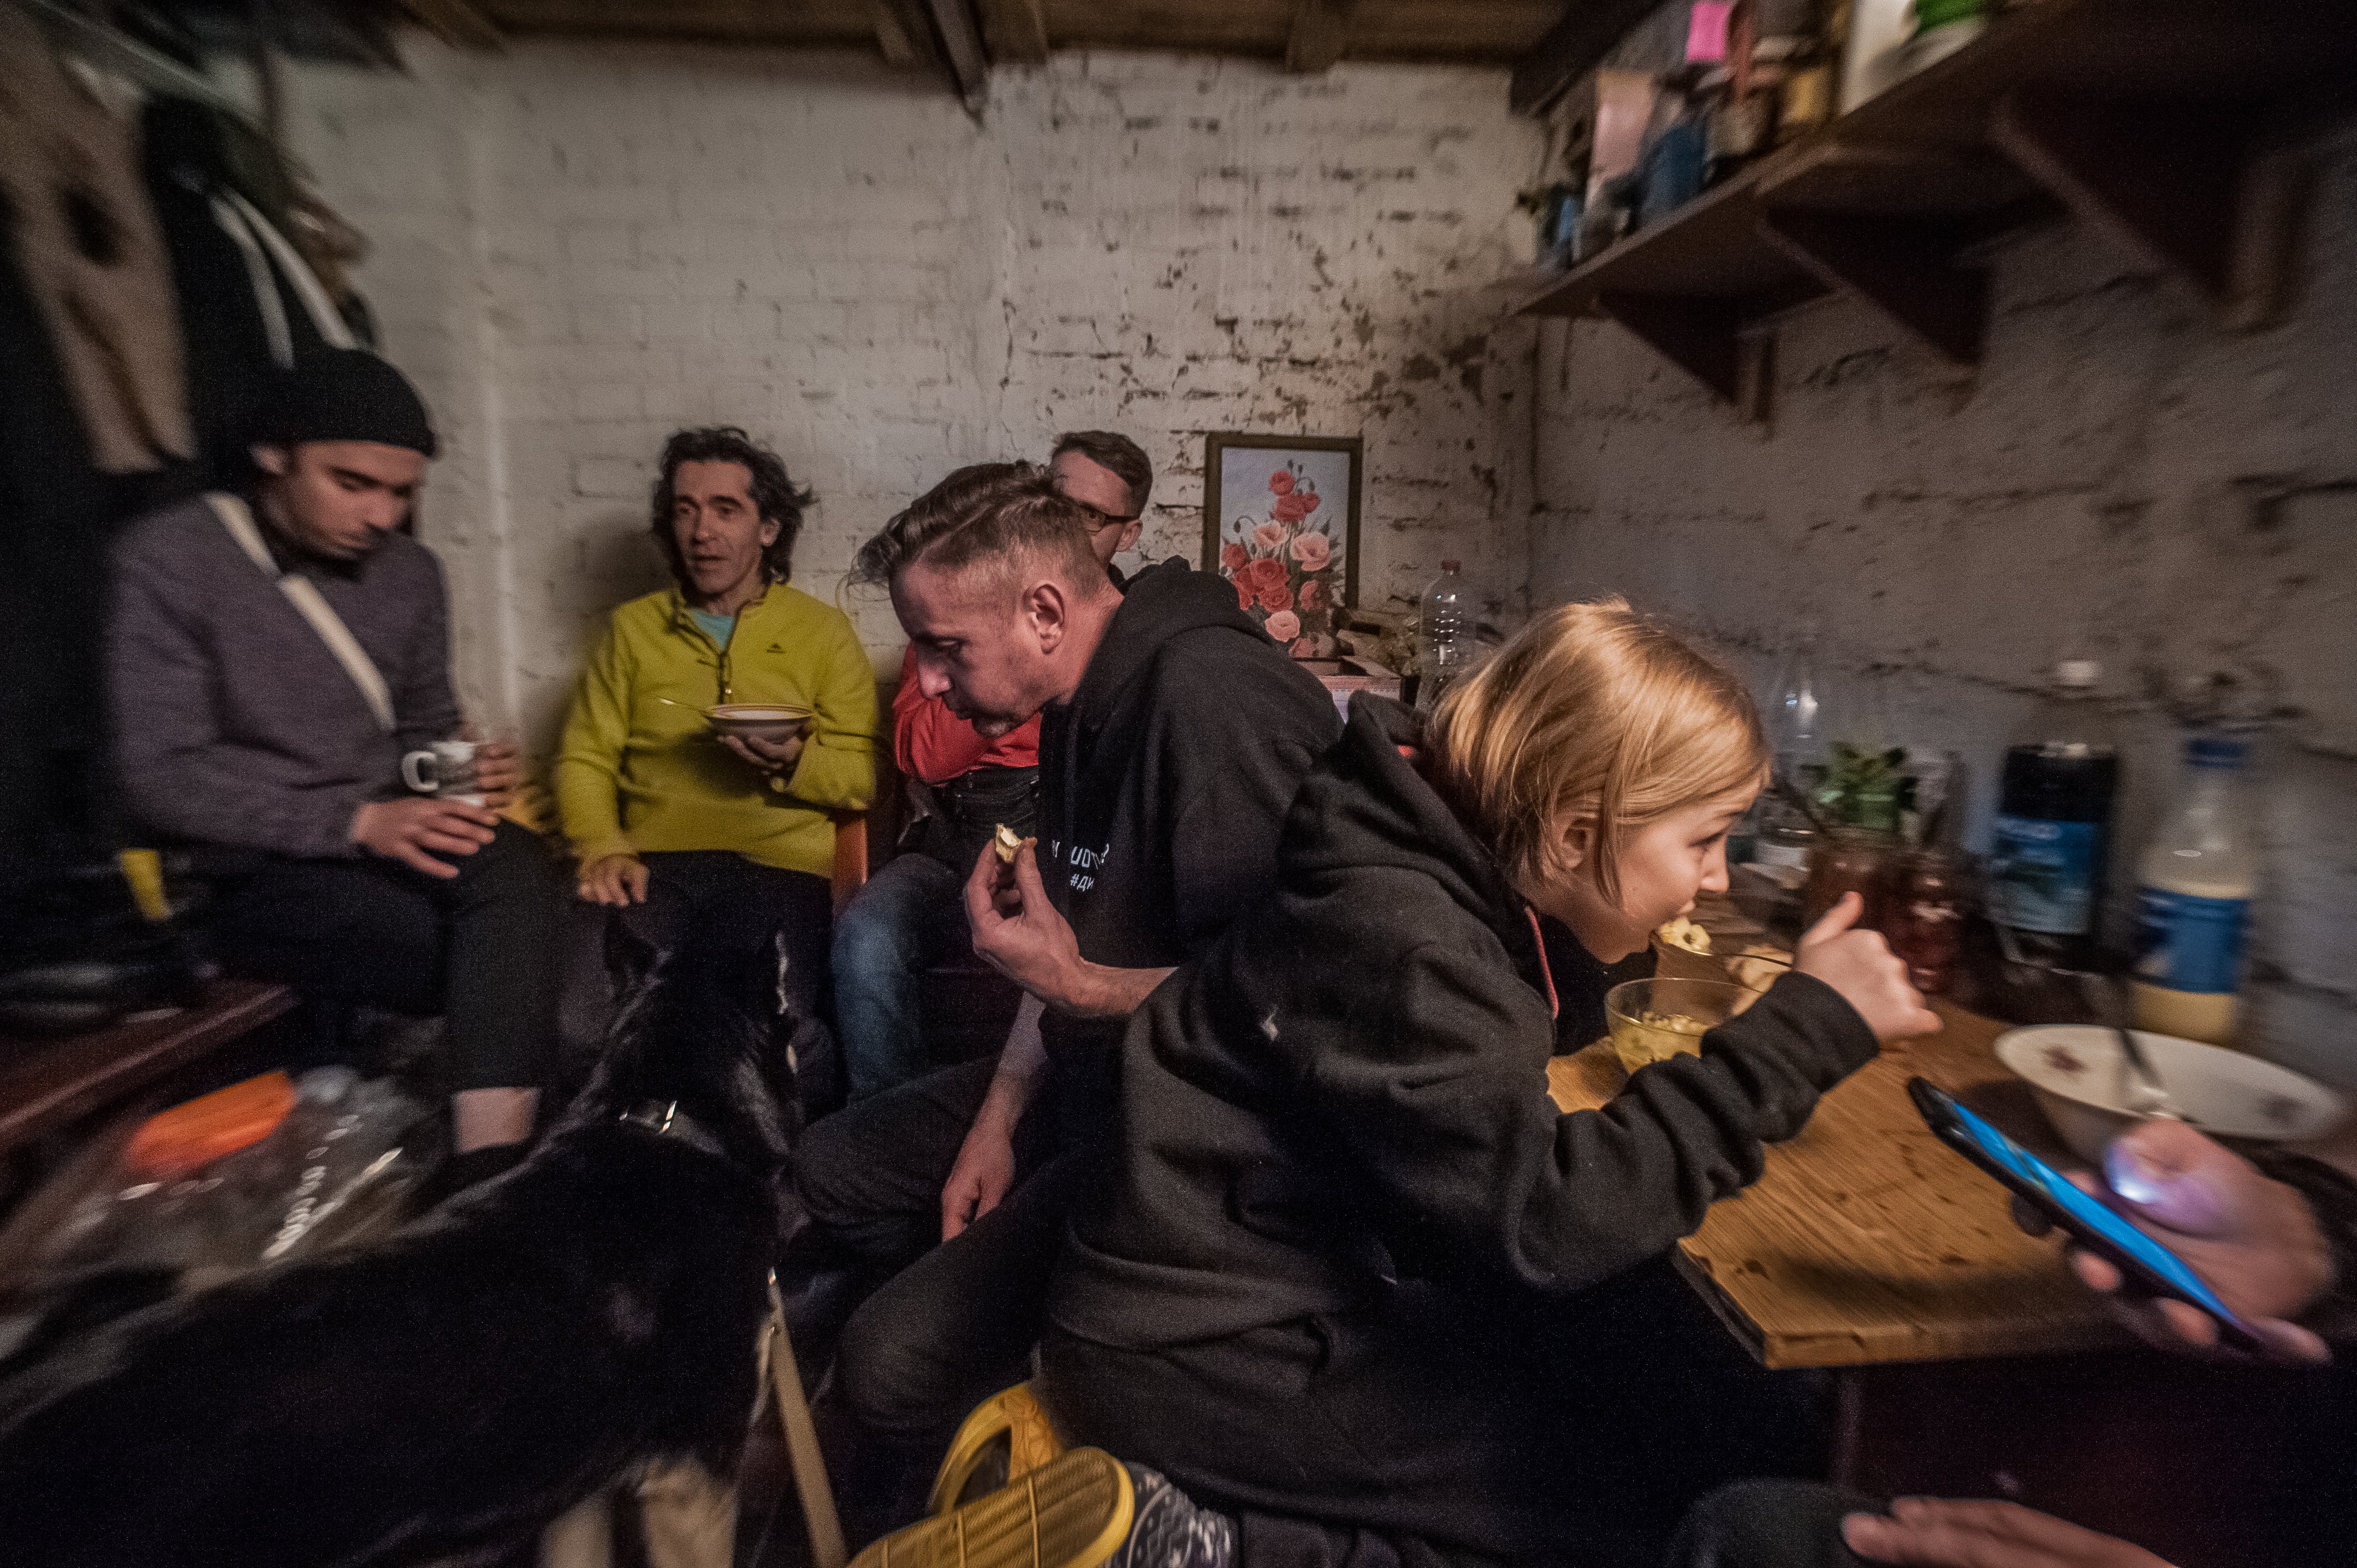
(2141, 1089)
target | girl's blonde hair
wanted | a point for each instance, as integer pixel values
(1591, 711)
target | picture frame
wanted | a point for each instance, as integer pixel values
(1254, 491)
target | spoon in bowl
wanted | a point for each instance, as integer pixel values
(2142, 1091)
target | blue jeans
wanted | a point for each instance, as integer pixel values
(909, 916)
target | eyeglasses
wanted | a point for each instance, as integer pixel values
(1105, 519)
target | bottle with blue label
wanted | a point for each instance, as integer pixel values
(2054, 822)
(2194, 902)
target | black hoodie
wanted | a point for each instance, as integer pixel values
(1163, 787)
(1351, 1086)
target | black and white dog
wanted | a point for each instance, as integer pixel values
(444, 1395)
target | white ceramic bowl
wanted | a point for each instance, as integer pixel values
(2079, 1076)
(759, 721)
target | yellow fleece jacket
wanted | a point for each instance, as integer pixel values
(638, 773)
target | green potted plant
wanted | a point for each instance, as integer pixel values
(1868, 789)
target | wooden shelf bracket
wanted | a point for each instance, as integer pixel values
(1903, 267)
(1698, 336)
(2195, 188)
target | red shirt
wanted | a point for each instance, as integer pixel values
(935, 745)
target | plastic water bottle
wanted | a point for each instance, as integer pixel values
(1446, 633)
(2054, 821)
(2194, 905)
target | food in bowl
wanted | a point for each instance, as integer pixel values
(1653, 1020)
(1649, 1026)
(758, 721)
(2079, 1075)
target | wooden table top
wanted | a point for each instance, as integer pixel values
(49, 1084)
(1867, 1240)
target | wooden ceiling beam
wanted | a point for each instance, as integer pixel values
(456, 23)
(1014, 31)
(901, 35)
(960, 33)
(940, 36)
(1572, 48)
(1321, 31)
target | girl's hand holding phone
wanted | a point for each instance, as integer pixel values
(1870, 976)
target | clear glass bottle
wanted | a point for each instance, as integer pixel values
(2194, 900)
(1782, 840)
(1796, 720)
(2054, 822)
(1443, 635)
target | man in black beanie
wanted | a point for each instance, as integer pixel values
(273, 656)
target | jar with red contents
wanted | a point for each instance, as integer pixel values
(1925, 920)
(1849, 860)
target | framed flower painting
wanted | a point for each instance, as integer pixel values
(1281, 523)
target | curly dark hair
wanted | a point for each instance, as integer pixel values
(775, 495)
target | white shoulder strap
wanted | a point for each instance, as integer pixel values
(306, 597)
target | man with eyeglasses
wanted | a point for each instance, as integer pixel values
(1110, 477)
(910, 916)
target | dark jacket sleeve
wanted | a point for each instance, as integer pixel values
(1237, 740)
(1473, 1168)
(2332, 1198)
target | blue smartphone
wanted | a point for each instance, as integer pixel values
(2101, 1228)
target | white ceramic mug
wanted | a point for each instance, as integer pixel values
(445, 772)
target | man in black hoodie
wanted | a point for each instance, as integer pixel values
(1175, 735)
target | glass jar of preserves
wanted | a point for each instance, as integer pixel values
(1849, 860)
(1925, 921)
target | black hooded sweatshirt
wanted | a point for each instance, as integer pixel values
(1350, 1087)
(1163, 787)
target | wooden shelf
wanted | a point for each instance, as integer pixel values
(2171, 124)
(49, 1084)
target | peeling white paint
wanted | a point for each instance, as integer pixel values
(578, 248)
(2121, 474)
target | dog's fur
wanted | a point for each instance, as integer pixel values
(444, 1395)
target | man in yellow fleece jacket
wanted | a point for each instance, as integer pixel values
(687, 836)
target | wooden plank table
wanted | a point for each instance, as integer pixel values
(1966, 1361)
(1867, 1241)
(49, 1085)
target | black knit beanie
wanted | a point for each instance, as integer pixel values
(344, 394)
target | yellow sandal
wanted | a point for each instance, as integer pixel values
(1072, 1512)
(1015, 1415)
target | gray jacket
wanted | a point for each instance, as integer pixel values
(233, 722)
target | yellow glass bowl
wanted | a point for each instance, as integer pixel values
(1652, 1020)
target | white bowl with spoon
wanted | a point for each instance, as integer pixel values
(759, 721)
(2084, 1082)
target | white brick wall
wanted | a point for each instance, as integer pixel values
(579, 248)
(2097, 480)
